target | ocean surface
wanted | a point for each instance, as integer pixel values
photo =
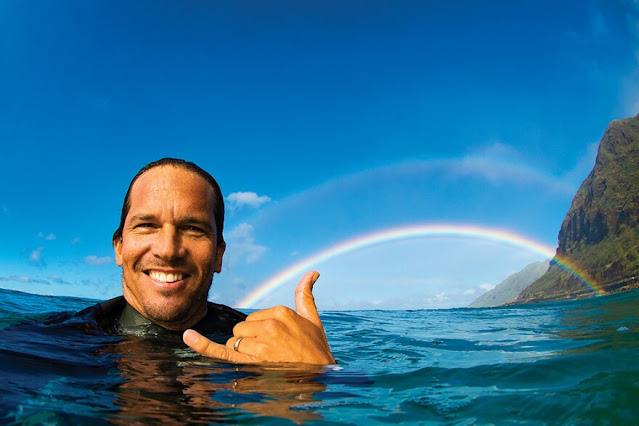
(568, 362)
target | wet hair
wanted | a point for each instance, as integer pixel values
(218, 200)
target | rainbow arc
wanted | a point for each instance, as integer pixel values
(384, 236)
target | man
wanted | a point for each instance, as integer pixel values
(169, 244)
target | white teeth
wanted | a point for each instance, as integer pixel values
(165, 278)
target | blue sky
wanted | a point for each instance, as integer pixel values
(321, 121)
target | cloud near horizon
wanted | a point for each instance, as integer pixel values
(95, 260)
(59, 280)
(25, 280)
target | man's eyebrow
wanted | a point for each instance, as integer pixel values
(143, 218)
(196, 220)
(193, 220)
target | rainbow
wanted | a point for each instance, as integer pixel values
(296, 270)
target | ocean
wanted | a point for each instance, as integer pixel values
(571, 362)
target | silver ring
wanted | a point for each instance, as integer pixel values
(237, 344)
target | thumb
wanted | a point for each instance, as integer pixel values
(304, 300)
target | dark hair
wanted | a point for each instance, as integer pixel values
(218, 208)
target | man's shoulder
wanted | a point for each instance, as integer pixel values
(104, 315)
(224, 313)
(107, 316)
(219, 319)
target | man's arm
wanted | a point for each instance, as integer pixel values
(278, 334)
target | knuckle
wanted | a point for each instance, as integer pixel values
(215, 351)
(223, 356)
(221, 353)
(284, 314)
(261, 350)
(235, 329)
(281, 311)
(272, 326)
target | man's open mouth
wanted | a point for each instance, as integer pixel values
(166, 278)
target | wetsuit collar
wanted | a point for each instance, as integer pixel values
(133, 322)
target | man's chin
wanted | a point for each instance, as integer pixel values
(167, 315)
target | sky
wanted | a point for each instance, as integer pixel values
(323, 122)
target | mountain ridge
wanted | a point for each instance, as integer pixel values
(599, 236)
(510, 288)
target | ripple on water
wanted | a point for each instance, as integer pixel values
(569, 362)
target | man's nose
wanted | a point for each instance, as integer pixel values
(168, 243)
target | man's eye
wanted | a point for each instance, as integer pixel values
(192, 228)
(144, 225)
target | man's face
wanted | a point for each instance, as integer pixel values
(168, 250)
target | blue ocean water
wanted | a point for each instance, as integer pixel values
(566, 362)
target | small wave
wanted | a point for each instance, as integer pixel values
(560, 362)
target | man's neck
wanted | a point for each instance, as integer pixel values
(191, 321)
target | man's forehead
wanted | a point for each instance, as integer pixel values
(170, 182)
(169, 175)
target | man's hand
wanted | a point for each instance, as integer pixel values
(277, 334)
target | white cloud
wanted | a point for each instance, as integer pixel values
(496, 149)
(441, 296)
(241, 245)
(49, 237)
(95, 260)
(58, 279)
(251, 199)
(26, 280)
(498, 162)
(36, 256)
(76, 240)
(487, 287)
(242, 231)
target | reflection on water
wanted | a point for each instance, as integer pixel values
(56, 369)
(165, 382)
(567, 362)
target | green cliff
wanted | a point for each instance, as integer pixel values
(599, 236)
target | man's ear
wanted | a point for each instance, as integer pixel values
(218, 257)
(117, 247)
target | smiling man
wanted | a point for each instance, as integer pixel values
(169, 245)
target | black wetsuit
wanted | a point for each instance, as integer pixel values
(116, 316)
